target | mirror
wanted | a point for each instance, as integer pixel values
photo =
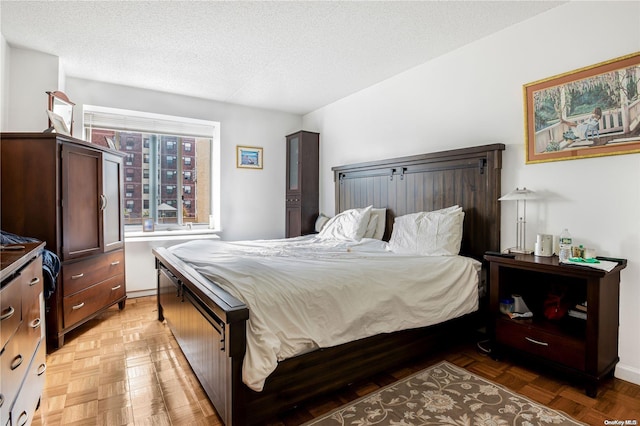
(60, 105)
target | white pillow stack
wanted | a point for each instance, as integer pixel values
(375, 226)
(435, 233)
(348, 225)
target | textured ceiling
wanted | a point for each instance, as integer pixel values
(288, 56)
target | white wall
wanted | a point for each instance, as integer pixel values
(31, 75)
(5, 59)
(252, 200)
(473, 96)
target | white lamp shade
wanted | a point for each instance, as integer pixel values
(519, 194)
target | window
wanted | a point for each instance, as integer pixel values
(167, 146)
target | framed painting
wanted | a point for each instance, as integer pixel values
(147, 224)
(589, 112)
(249, 157)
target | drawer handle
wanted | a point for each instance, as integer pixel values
(34, 281)
(9, 314)
(22, 419)
(75, 277)
(76, 307)
(537, 342)
(116, 287)
(1, 400)
(35, 323)
(17, 361)
(41, 369)
(117, 262)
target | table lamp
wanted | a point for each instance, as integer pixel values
(520, 196)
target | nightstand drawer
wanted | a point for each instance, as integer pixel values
(529, 338)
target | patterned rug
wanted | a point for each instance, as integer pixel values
(443, 394)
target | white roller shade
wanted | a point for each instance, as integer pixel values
(126, 120)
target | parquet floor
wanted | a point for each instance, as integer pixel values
(125, 368)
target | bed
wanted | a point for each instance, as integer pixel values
(210, 322)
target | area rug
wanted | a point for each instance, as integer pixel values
(443, 394)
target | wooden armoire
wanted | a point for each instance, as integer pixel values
(302, 190)
(69, 194)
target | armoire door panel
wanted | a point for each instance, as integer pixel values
(112, 217)
(81, 214)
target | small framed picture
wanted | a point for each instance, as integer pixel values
(110, 143)
(147, 225)
(249, 157)
(58, 123)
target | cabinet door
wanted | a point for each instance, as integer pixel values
(293, 162)
(81, 200)
(294, 221)
(111, 202)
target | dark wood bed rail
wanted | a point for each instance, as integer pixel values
(469, 177)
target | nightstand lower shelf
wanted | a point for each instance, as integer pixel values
(584, 348)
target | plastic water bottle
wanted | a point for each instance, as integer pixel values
(565, 245)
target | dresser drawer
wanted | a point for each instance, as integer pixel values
(33, 301)
(10, 309)
(527, 337)
(77, 276)
(86, 302)
(14, 363)
(27, 401)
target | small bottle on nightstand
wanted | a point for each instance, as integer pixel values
(565, 245)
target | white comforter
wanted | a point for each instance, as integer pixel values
(305, 293)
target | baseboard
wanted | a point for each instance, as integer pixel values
(141, 293)
(628, 373)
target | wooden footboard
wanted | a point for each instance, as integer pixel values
(210, 325)
(212, 338)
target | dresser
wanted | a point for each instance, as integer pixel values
(22, 336)
(68, 193)
(302, 189)
(583, 346)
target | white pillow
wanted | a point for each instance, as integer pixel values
(435, 233)
(440, 234)
(371, 226)
(321, 221)
(377, 223)
(349, 225)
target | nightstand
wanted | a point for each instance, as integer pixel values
(584, 348)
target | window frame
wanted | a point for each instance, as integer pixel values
(184, 127)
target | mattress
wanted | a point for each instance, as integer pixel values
(307, 293)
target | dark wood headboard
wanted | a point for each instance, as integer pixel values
(469, 177)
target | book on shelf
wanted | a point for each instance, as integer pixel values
(577, 314)
(582, 307)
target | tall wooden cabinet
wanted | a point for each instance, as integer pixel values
(68, 193)
(302, 189)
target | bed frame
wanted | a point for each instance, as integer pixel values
(209, 324)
